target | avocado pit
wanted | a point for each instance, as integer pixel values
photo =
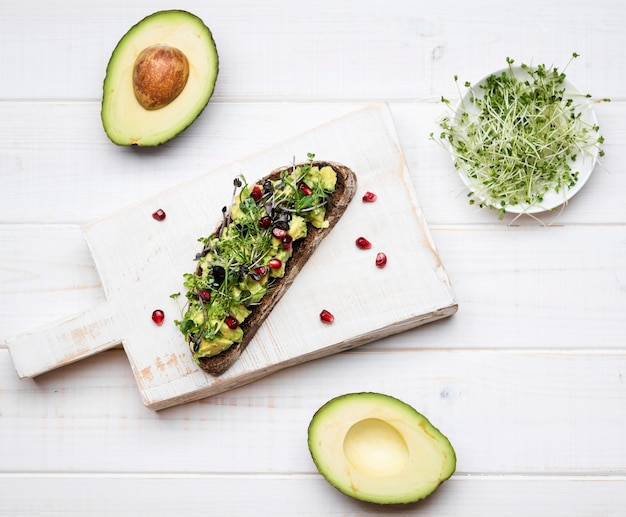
(160, 74)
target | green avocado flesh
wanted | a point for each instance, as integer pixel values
(125, 120)
(243, 260)
(376, 448)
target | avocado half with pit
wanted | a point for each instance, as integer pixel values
(376, 448)
(160, 77)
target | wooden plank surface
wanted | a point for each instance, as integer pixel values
(308, 495)
(481, 399)
(68, 137)
(526, 379)
(331, 50)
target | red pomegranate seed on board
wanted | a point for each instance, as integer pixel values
(363, 243)
(326, 316)
(369, 197)
(265, 221)
(159, 215)
(158, 316)
(381, 260)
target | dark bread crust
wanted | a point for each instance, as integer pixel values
(302, 250)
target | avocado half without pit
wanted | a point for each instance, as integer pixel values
(376, 448)
(160, 77)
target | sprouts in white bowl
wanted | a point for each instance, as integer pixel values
(523, 139)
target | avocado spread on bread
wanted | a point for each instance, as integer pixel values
(247, 255)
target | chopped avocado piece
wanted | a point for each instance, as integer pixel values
(328, 178)
(236, 213)
(239, 311)
(233, 335)
(160, 77)
(376, 448)
(256, 288)
(224, 340)
(312, 176)
(317, 217)
(297, 227)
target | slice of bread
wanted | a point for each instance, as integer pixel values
(337, 204)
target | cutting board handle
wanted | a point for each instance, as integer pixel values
(65, 342)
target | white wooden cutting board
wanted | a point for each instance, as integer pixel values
(142, 261)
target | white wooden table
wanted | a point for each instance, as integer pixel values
(528, 379)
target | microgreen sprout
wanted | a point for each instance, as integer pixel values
(518, 136)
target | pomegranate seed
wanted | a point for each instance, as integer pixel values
(369, 197)
(265, 221)
(287, 242)
(158, 316)
(381, 260)
(275, 263)
(305, 189)
(279, 233)
(256, 193)
(363, 243)
(204, 295)
(159, 215)
(326, 316)
(258, 273)
(231, 322)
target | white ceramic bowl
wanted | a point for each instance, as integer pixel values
(585, 160)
